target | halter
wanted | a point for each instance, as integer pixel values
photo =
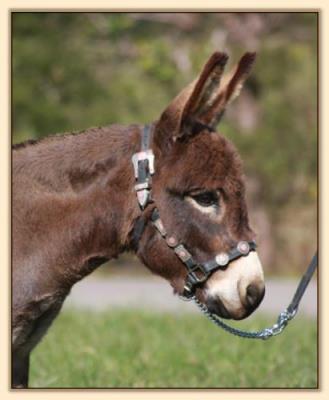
(197, 273)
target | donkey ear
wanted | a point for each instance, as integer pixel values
(229, 90)
(176, 121)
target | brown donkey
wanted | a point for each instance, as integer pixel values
(75, 207)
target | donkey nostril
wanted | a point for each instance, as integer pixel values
(254, 295)
(216, 306)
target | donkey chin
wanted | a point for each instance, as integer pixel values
(236, 292)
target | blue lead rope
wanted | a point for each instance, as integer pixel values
(283, 318)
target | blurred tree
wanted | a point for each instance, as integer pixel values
(75, 70)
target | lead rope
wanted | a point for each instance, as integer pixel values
(283, 318)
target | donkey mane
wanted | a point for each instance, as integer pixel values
(26, 143)
(73, 160)
(55, 136)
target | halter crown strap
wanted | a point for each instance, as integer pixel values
(143, 163)
(197, 273)
(146, 138)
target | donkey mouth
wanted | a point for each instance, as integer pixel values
(217, 307)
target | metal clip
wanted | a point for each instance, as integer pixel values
(278, 327)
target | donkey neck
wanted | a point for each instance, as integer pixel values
(73, 161)
(82, 185)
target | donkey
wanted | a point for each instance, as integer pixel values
(75, 207)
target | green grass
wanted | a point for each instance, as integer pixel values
(142, 349)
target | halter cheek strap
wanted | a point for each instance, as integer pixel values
(143, 163)
(197, 273)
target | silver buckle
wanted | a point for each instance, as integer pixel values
(141, 156)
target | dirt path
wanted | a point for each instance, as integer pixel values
(156, 294)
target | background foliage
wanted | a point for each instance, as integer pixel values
(75, 70)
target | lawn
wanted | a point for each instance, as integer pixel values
(145, 349)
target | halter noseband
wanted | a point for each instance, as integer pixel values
(197, 273)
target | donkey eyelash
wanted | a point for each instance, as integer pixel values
(207, 202)
(206, 199)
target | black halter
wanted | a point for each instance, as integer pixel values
(197, 273)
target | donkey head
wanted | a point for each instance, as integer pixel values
(199, 191)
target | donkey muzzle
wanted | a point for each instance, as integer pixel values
(237, 291)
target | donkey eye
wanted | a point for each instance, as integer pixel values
(206, 199)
